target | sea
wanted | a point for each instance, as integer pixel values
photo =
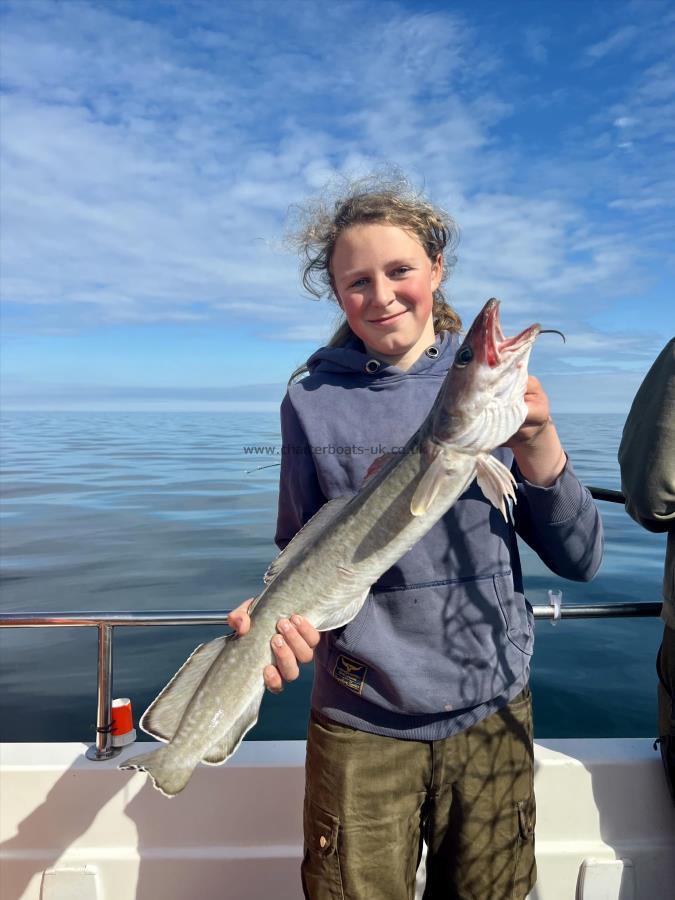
(115, 511)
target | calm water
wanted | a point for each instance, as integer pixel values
(156, 511)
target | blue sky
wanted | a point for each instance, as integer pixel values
(151, 152)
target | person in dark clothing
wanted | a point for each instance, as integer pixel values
(647, 461)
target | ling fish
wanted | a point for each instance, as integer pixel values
(326, 572)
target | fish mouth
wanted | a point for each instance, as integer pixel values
(495, 345)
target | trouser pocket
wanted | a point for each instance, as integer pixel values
(364, 795)
(321, 878)
(524, 874)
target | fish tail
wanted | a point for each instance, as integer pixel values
(164, 768)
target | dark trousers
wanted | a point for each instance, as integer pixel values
(371, 800)
(665, 667)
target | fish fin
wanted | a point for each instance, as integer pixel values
(429, 485)
(164, 768)
(496, 481)
(307, 533)
(162, 718)
(224, 748)
(343, 613)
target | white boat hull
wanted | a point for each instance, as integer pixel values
(71, 829)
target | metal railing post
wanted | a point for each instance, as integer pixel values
(103, 749)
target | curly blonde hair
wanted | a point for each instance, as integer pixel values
(384, 199)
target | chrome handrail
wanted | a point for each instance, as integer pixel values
(617, 609)
(106, 622)
(87, 619)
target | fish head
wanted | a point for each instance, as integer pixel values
(481, 403)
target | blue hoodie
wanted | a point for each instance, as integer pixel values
(445, 636)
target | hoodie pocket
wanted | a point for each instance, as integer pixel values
(435, 647)
(516, 612)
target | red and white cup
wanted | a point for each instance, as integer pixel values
(123, 731)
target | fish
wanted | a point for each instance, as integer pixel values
(325, 573)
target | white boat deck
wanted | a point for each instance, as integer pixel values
(71, 829)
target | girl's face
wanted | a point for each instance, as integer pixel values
(384, 282)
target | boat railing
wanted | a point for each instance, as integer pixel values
(106, 622)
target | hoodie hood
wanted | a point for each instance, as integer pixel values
(352, 358)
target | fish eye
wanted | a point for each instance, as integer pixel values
(464, 356)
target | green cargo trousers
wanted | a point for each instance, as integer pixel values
(665, 667)
(371, 800)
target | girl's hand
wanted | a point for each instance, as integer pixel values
(294, 643)
(538, 414)
(536, 445)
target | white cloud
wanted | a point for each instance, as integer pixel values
(317, 334)
(618, 40)
(148, 166)
(535, 44)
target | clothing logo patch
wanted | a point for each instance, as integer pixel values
(350, 673)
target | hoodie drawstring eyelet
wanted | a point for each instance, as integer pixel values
(372, 366)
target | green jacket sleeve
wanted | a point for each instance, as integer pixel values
(647, 450)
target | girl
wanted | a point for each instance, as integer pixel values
(421, 724)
